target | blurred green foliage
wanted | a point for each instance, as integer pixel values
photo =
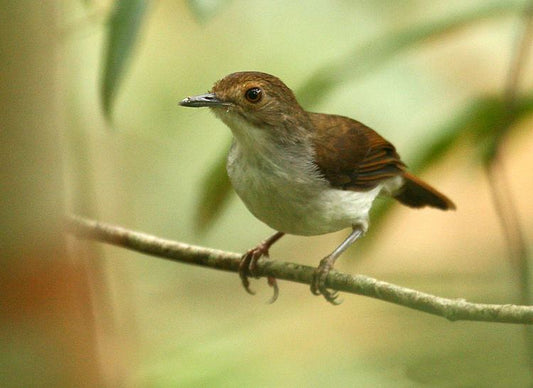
(374, 54)
(123, 30)
(215, 192)
(478, 124)
(204, 10)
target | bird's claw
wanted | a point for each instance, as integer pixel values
(272, 282)
(245, 268)
(318, 283)
(248, 268)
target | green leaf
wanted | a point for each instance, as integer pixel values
(203, 10)
(499, 122)
(524, 106)
(124, 25)
(378, 51)
(215, 192)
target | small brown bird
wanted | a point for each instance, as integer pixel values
(306, 173)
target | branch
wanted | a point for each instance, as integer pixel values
(452, 309)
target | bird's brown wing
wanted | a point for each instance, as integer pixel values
(352, 156)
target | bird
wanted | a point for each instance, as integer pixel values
(305, 173)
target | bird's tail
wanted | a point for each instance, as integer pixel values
(417, 193)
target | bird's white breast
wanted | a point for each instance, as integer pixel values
(286, 191)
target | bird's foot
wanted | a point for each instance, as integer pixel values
(248, 267)
(318, 284)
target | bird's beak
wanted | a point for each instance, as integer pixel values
(209, 100)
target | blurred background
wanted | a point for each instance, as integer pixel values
(90, 125)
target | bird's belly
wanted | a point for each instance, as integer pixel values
(300, 206)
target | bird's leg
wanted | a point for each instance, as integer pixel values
(318, 284)
(248, 264)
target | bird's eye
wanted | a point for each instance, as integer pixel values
(254, 94)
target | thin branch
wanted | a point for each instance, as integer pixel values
(452, 309)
